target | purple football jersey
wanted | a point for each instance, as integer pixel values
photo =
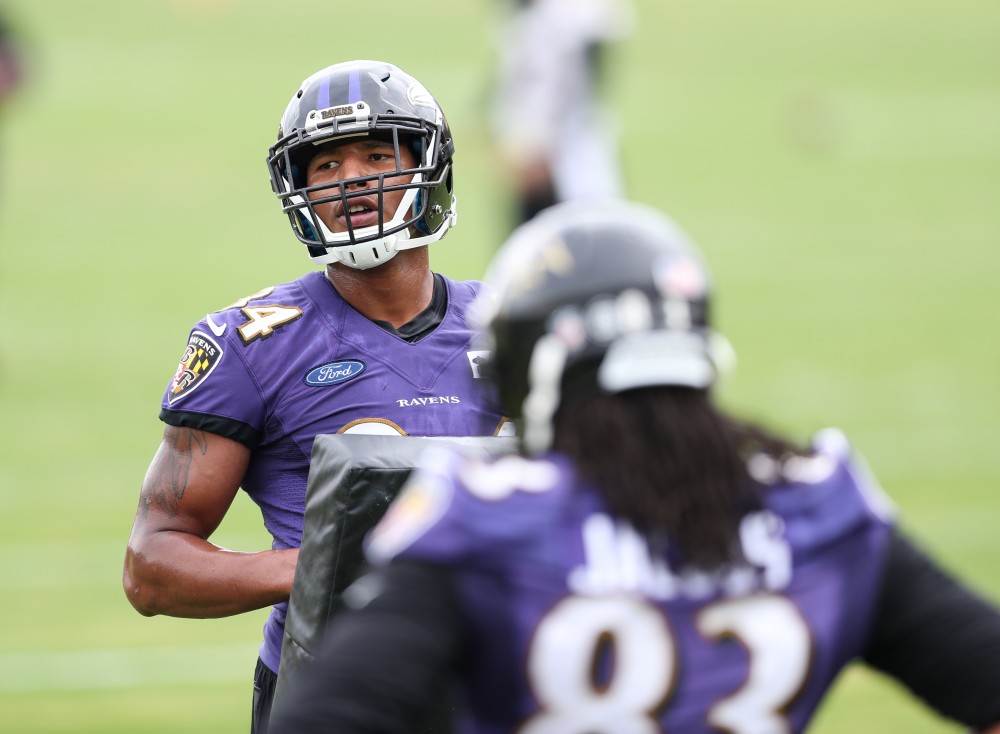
(577, 626)
(293, 361)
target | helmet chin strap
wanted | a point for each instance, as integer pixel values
(366, 255)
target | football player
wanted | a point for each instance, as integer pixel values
(372, 342)
(11, 63)
(648, 563)
(554, 132)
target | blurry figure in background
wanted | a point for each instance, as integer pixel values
(374, 342)
(11, 61)
(649, 563)
(554, 133)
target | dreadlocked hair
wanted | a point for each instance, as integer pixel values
(672, 465)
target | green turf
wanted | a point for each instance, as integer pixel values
(838, 161)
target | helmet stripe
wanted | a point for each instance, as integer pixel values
(354, 87)
(323, 96)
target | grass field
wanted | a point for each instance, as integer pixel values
(838, 160)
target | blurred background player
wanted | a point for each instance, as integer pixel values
(649, 563)
(375, 342)
(11, 60)
(553, 129)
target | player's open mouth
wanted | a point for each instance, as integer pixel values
(362, 213)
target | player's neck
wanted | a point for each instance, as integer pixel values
(395, 292)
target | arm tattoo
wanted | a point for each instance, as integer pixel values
(168, 477)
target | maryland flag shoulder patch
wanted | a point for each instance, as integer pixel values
(201, 356)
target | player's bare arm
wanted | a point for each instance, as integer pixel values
(170, 565)
(169, 473)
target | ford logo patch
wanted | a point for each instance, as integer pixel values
(333, 373)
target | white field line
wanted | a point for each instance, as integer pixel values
(26, 672)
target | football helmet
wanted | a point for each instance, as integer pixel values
(365, 98)
(611, 295)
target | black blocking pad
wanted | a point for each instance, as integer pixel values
(352, 480)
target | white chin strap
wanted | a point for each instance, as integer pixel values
(366, 255)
